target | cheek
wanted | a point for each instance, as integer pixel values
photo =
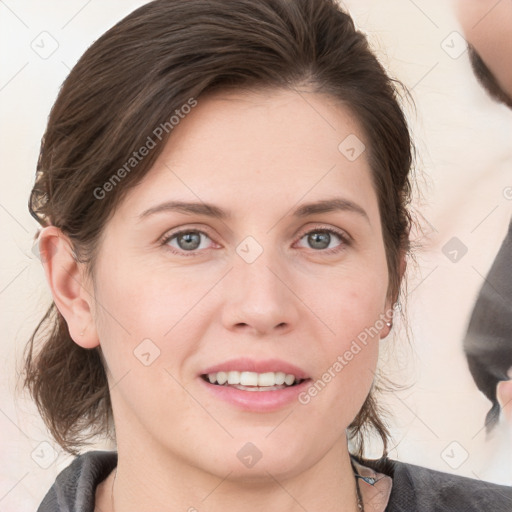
(141, 301)
(352, 302)
(352, 309)
(145, 337)
(139, 316)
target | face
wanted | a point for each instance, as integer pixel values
(487, 25)
(179, 292)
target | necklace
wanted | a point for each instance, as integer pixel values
(360, 505)
(112, 490)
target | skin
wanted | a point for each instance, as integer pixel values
(504, 395)
(259, 155)
(487, 26)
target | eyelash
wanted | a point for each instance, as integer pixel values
(345, 240)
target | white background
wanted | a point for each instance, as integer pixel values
(465, 163)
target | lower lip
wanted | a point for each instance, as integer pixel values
(257, 401)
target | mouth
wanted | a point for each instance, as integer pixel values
(242, 391)
(251, 385)
(251, 381)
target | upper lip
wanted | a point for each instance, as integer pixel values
(244, 364)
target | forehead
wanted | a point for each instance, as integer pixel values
(267, 147)
(487, 25)
(486, 16)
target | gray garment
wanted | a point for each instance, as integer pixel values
(415, 489)
(488, 342)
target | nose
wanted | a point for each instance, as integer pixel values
(259, 296)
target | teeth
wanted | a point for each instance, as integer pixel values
(261, 379)
(233, 377)
(280, 378)
(246, 379)
(253, 379)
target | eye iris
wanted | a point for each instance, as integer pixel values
(321, 237)
(192, 240)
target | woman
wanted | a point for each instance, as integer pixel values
(223, 190)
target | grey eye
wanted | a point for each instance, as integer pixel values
(190, 241)
(319, 239)
(186, 240)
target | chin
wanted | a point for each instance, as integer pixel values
(252, 459)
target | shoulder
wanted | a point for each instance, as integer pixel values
(426, 490)
(75, 486)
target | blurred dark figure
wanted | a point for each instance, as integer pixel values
(487, 28)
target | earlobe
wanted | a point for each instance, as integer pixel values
(384, 333)
(67, 285)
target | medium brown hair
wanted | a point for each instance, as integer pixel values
(131, 81)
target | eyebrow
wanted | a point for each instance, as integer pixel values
(211, 210)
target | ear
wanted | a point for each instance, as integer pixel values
(65, 277)
(391, 301)
(504, 396)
